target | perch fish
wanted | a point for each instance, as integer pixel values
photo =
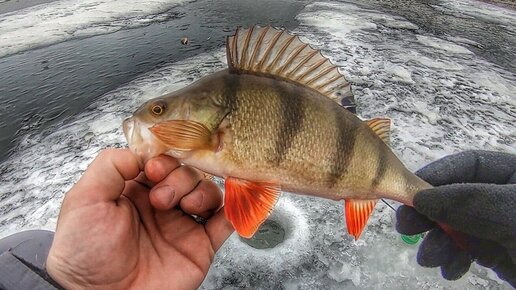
(280, 117)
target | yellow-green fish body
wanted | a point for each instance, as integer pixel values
(273, 120)
(277, 131)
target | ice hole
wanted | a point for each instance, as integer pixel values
(269, 235)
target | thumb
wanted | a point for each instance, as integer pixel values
(218, 229)
(105, 178)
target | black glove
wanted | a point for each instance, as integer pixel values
(475, 194)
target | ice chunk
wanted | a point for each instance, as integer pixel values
(400, 74)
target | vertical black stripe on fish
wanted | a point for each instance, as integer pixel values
(382, 166)
(291, 111)
(345, 144)
(231, 86)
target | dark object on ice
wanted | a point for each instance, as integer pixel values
(185, 41)
(269, 235)
(22, 261)
(475, 193)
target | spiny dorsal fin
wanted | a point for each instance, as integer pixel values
(382, 128)
(276, 53)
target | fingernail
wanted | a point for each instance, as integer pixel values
(165, 194)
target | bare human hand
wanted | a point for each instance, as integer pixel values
(122, 229)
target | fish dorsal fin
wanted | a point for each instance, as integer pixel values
(275, 53)
(382, 128)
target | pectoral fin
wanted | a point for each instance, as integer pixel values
(357, 214)
(248, 204)
(183, 134)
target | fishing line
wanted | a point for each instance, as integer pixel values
(388, 204)
(409, 239)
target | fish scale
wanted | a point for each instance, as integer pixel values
(257, 132)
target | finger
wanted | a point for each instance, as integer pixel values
(474, 166)
(218, 229)
(435, 249)
(137, 193)
(457, 266)
(104, 180)
(144, 181)
(410, 222)
(204, 200)
(489, 206)
(505, 270)
(167, 194)
(487, 252)
(158, 168)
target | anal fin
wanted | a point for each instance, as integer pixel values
(248, 204)
(357, 214)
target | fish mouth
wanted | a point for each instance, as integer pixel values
(133, 138)
(128, 127)
(140, 140)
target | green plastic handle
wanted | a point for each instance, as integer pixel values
(411, 240)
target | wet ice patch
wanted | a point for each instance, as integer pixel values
(58, 21)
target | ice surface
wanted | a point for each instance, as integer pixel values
(441, 99)
(479, 9)
(441, 44)
(57, 21)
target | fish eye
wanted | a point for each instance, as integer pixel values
(158, 108)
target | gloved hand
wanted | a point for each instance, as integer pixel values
(474, 193)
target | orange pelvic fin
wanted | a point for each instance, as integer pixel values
(382, 128)
(248, 204)
(183, 134)
(357, 214)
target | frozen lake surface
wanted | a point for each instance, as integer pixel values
(444, 92)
